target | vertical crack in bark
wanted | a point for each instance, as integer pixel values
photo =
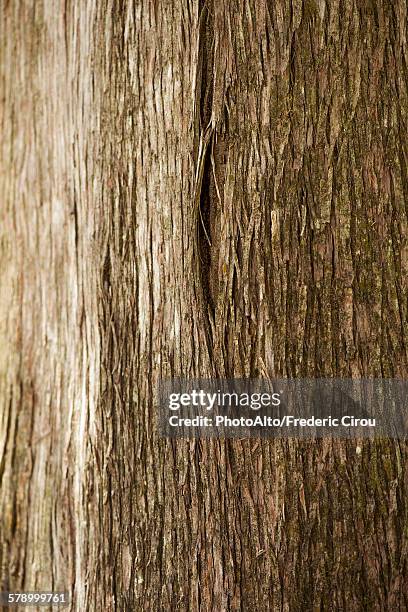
(204, 234)
(203, 199)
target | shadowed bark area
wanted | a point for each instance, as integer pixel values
(199, 189)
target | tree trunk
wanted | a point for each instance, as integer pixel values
(199, 189)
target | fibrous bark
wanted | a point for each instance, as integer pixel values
(199, 189)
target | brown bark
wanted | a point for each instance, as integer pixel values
(198, 189)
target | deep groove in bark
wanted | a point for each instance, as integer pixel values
(205, 203)
(205, 238)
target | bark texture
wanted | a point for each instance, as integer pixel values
(196, 189)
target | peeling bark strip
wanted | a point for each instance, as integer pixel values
(199, 189)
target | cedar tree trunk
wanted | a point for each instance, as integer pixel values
(199, 188)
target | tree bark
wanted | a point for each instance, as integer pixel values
(199, 189)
